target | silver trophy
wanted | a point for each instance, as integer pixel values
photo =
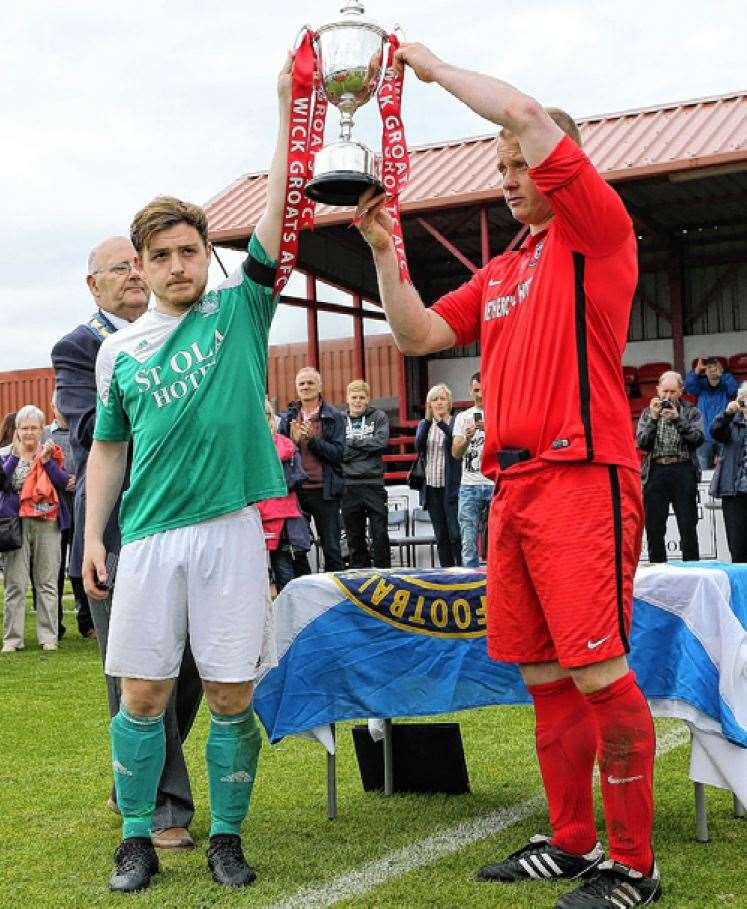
(349, 55)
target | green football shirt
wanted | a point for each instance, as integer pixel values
(189, 391)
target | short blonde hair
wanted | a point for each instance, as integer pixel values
(560, 118)
(359, 385)
(30, 412)
(438, 389)
(162, 213)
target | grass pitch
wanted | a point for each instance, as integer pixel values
(57, 835)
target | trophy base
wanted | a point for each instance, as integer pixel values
(342, 187)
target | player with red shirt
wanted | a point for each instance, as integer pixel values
(566, 520)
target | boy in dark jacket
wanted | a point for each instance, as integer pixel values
(366, 439)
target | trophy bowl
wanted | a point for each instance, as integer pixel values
(349, 56)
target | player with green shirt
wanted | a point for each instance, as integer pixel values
(185, 384)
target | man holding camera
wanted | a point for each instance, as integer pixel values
(476, 489)
(670, 431)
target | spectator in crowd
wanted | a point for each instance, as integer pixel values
(670, 431)
(476, 489)
(7, 431)
(120, 293)
(33, 485)
(713, 388)
(59, 433)
(440, 493)
(365, 497)
(318, 429)
(286, 529)
(729, 429)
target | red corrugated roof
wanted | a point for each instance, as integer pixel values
(623, 146)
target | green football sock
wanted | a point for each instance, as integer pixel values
(138, 755)
(232, 752)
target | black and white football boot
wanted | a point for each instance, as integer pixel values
(614, 886)
(539, 860)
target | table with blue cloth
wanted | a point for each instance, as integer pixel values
(412, 642)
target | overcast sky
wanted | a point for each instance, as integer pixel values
(103, 106)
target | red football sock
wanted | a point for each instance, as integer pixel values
(626, 744)
(566, 747)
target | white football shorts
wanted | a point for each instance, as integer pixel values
(208, 581)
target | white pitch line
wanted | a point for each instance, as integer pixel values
(425, 852)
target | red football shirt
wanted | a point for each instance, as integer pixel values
(552, 321)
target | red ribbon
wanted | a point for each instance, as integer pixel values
(298, 210)
(395, 167)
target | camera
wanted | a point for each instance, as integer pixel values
(667, 405)
(742, 402)
(477, 416)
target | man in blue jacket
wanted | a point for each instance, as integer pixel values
(121, 296)
(319, 431)
(713, 388)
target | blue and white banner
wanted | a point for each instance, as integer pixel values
(362, 644)
(689, 644)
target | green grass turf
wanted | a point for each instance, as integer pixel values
(57, 836)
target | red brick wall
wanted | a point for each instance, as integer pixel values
(35, 386)
(26, 386)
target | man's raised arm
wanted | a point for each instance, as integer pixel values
(269, 226)
(416, 330)
(491, 98)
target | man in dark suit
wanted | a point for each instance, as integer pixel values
(121, 294)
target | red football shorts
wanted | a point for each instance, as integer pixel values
(563, 545)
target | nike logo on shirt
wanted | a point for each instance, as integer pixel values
(592, 645)
(493, 283)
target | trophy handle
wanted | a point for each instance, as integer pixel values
(299, 35)
(399, 32)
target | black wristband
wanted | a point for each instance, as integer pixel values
(258, 272)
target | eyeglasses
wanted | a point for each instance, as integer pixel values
(120, 269)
